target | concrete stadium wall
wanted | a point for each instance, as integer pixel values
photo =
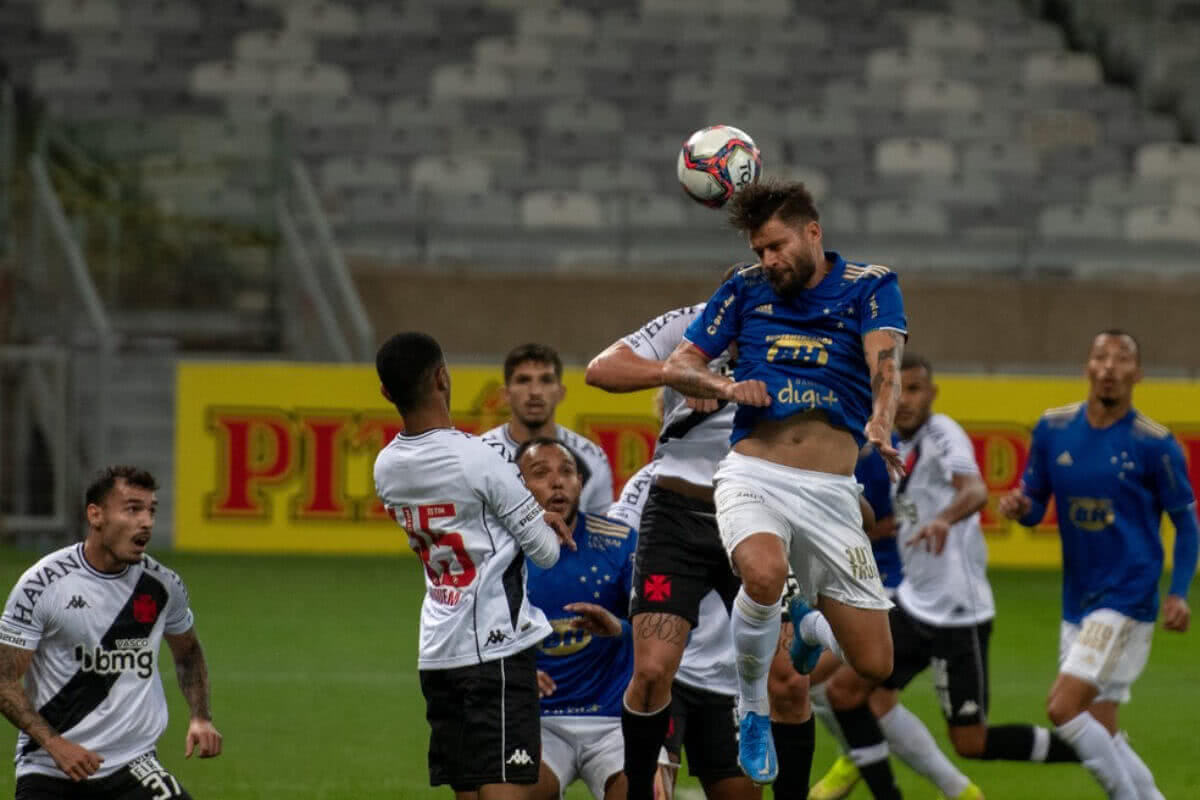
(982, 324)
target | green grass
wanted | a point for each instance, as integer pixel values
(313, 664)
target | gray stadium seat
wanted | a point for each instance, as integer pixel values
(505, 51)
(999, 158)
(980, 125)
(915, 155)
(940, 32)
(818, 121)
(545, 83)
(273, 47)
(480, 210)
(158, 15)
(227, 78)
(918, 218)
(650, 210)
(855, 93)
(1079, 221)
(451, 175)
(565, 209)
(1084, 160)
(69, 75)
(961, 190)
(394, 18)
(1122, 190)
(814, 179)
(75, 15)
(892, 65)
(362, 172)
(555, 24)
(1164, 224)
(840, 217)
(465, 81)
(1167, 159)
(583, 114)
(944, 95)
(311, 80)
(603, 177)
(893, 123)
(1058, 68)
(93, 46)
(409, 111)
(321, 17)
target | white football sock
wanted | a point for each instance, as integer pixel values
(814, 629)
(910, 741)
(824, 712)
(755, 637)
(1099, 755)
(1139, 773)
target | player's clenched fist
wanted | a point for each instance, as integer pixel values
(203, 739)
(1014, 505)
(77, 761)
(747, 393)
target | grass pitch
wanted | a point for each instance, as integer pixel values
(313, 665)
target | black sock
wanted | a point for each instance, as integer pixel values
(644, 736)
(794, 744)
(1016, 743)
(862, 732)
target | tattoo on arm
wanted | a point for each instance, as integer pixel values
(192, 672)
(687, 372)
(14, 703)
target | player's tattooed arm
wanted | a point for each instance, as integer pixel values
(192, 671)
(883, 350)
(686, 371)
(14, 703)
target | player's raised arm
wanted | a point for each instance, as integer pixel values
(192, 673)
(618, 369)
(77, 762)
(884, 348)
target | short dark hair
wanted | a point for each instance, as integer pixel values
(405, 363)
(915, 360)
(100, 487)
(754, 205)
(538, 441)
(1137, 346)
(540, 353)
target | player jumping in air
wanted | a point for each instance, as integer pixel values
(473, 523)
(83, 627)
(1112, 472)
(819, 341)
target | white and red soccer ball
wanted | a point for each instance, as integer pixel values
(717, 161)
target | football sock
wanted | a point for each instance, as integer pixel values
(794, 744)
(824, 712)
(869, 751)
(755, 637)
(1139, 773)
(644, 735)
(814, 629)
(1026, 743)
(910, 741)
(1099, 755)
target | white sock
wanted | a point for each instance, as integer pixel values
(814, 629)
(755, 637)
(1099, 755)
(820, 706)
(1139, 773)
(910, 741)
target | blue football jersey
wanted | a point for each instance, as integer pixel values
(808, 349)
(591, 672)
(1111, 487)
(871, 472)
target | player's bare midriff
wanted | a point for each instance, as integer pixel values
(803, 441)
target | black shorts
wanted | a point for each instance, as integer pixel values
(705, 724)
(958, 655)
(485, 722)
(680, 557)
(141, 779)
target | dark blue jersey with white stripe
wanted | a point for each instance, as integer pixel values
(807, 349)
(590, 672)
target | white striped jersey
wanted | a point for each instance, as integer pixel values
(594, 467)
(95, 637)
(690, 443)
(471, 520)
(952, 588)
(709, 660)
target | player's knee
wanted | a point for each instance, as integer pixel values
(875, 665)
(1060, 709)
(788, 696)
(651, 678)
(969, 741)
(763, 580)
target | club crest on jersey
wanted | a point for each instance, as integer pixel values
(145, 610)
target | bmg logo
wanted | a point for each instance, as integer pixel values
(115, 662)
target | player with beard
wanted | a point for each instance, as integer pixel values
(819, 341)
(585, 663)
(83, 626)
(533, 388)
(1113, 472)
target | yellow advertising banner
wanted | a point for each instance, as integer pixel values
(278, 456)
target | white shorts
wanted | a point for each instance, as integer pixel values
(1107, 649)
(815, 514)
(590, 748)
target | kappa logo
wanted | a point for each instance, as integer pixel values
(519, 758)
(657, 588)
(765, 308)
(968, 708)
(1064, 459)
(496, 637)
(77, 601)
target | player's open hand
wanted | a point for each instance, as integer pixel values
(747, 393)
(77, 761)
(933, 536)
(1176, 614)
(203, 739)
(596, 620)
(546, 684)
(561, 528)
(879, 436)
(1014, 505)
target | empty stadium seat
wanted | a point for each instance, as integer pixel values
(225, 78)
(160, 15)
(814, 179)
(939, 32)
(273, 47)
(1079, 221)
(549, 209)
(359, 172)
(1059, 68)
(1163, 224)
(1168, 159)
(923, 95)
(504, 51)
(823, 120)
(999, 158)
(650, 210)
(903, 217)
(583, 114)
(395, 18)
(603, 177)
(915, 156)
(72, 15)
(555, 24)
(1123, 190)
(311, 80)
(897, 65)
(451, 175)
(322, 17)
(462, 81)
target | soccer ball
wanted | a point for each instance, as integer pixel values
(717, 161)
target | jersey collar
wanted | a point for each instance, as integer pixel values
(836, 272)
